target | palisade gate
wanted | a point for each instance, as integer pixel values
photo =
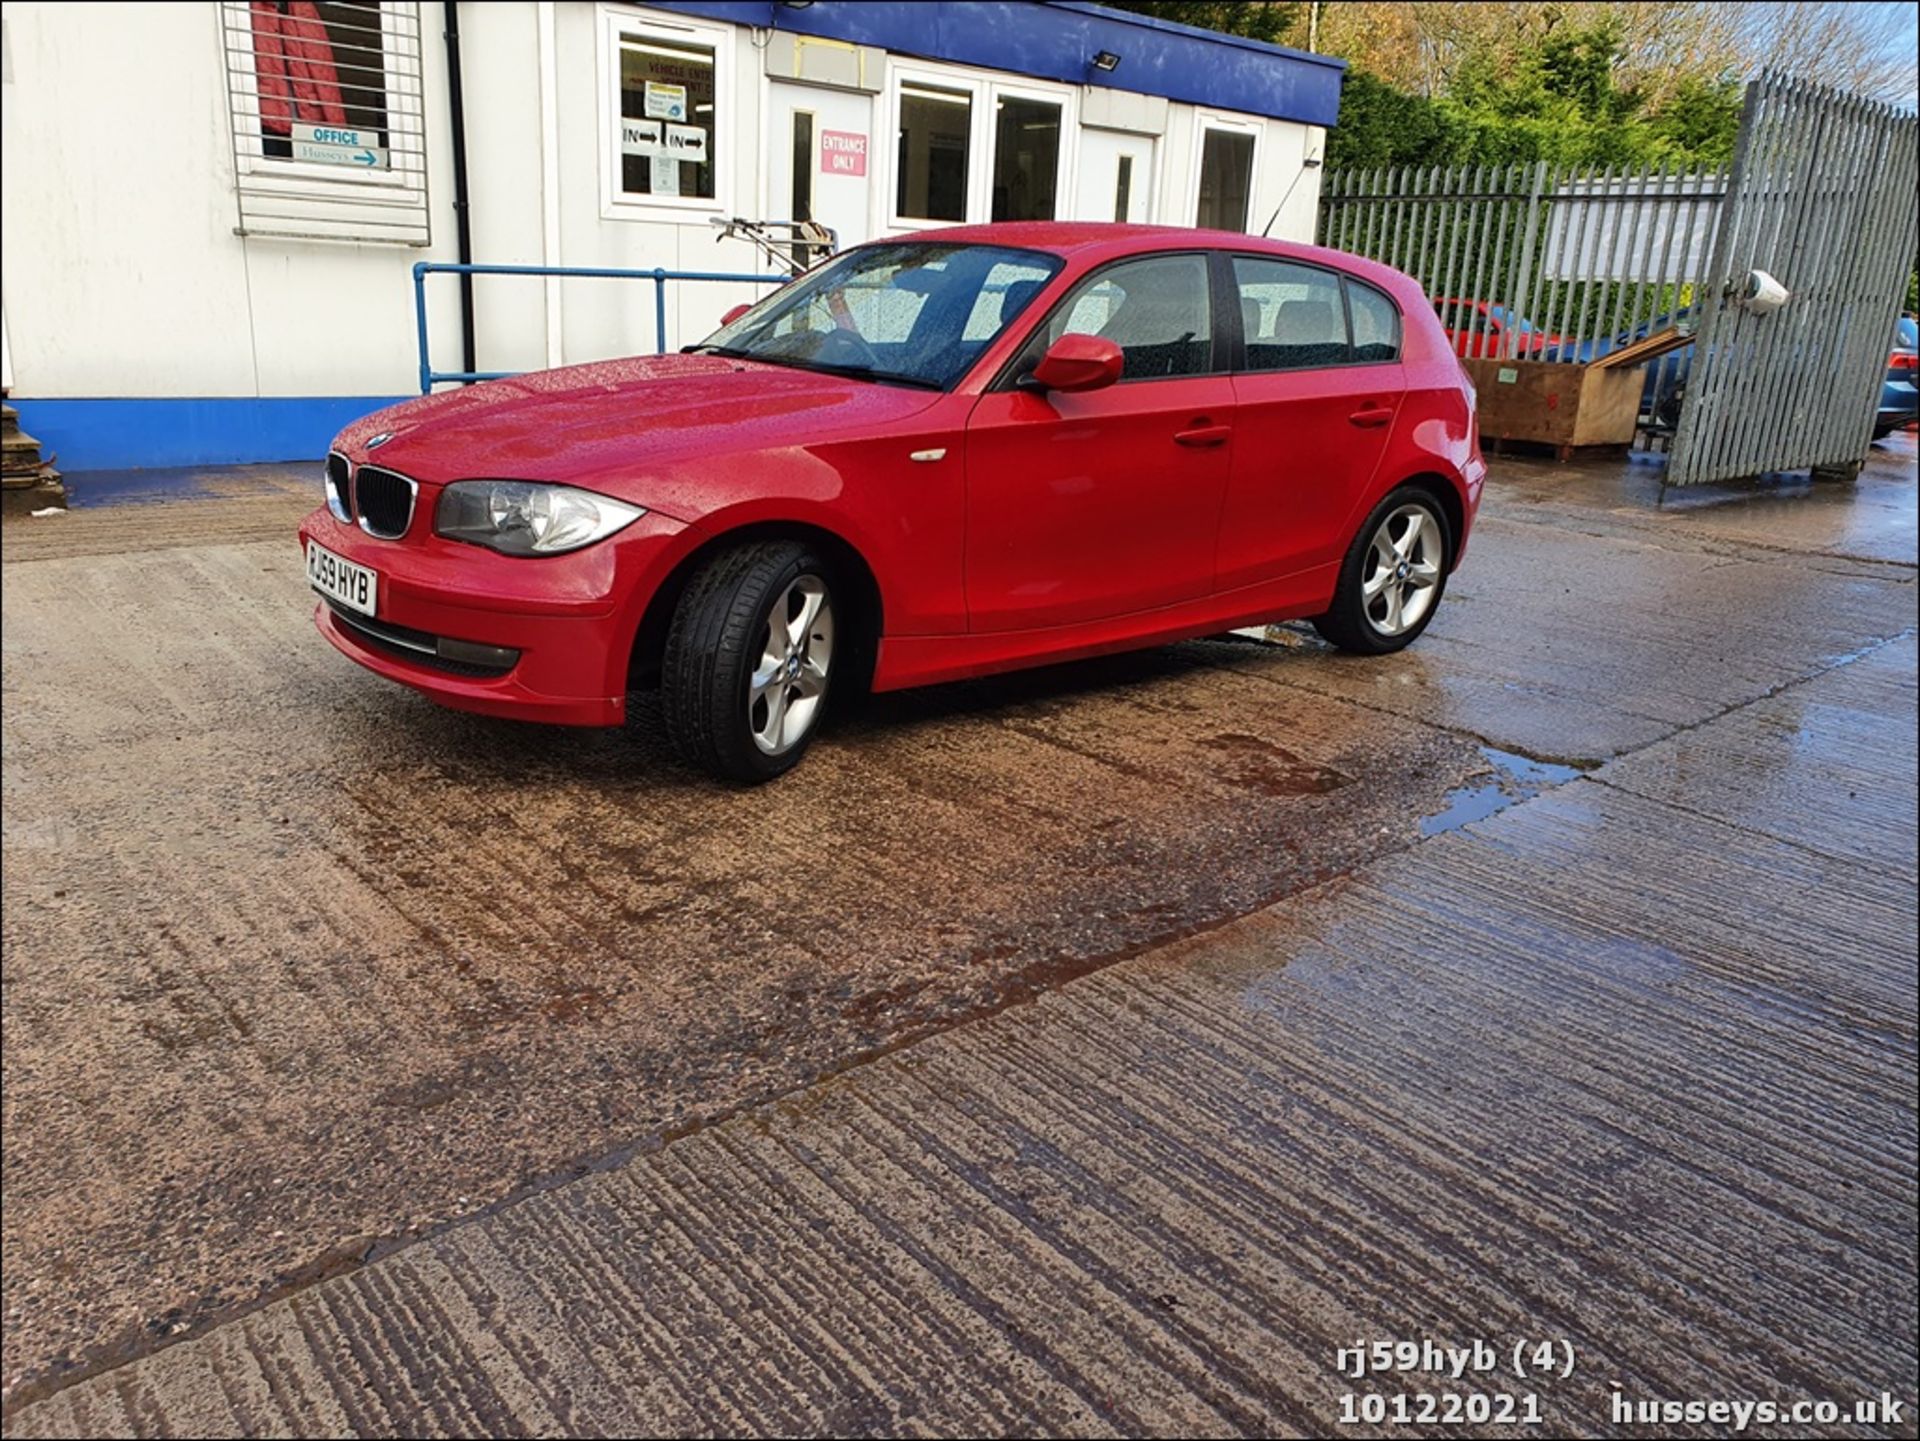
(1568, 263)
(1824, 199)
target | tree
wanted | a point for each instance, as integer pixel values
(1382, 126)
(1256, 19)
(1560, 98)
(1699, 120)
(1596, 82)
(1853, 44)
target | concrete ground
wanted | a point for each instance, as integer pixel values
(1552, 981)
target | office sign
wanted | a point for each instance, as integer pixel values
(338, 145)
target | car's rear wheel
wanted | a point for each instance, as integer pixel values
(1393, 577)
(750, 660)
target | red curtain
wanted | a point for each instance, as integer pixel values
(293, 59)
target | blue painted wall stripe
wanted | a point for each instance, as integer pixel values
(222, 430)
(1058, 42)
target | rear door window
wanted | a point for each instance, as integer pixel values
(1292, 316)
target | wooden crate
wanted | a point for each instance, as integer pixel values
(1559, 405)
(1567, 406)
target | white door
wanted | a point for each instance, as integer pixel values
(1116, 176)
(822, 158)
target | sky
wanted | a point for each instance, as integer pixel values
(1908, 44)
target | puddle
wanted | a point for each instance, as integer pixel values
(1515, 778)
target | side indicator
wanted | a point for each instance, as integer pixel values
(926, 456)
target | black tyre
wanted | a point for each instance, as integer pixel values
(1393, 576)
(750, 660)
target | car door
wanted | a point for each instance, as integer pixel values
(1316, 395)
(1086, 506)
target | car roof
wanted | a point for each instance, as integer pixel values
(1101, 240)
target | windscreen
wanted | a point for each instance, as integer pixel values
(912, 312)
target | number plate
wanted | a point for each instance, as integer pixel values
(352, 585)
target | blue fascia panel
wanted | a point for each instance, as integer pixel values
(117, 434)
(1058, 40)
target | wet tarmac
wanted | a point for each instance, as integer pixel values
(298, 966)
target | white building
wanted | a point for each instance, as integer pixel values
(212, 209)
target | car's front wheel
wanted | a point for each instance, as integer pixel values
(749, 661)
(1393, 576)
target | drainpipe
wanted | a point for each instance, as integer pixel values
(462, 214)
(549, 170)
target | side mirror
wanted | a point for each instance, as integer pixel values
(735, 313)
(1078, 362)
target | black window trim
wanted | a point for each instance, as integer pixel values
(1240, 366)
(1008, 377)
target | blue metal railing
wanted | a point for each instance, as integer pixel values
(429, 377)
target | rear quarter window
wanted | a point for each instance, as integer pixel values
(1376, 324)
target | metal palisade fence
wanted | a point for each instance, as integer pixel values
(1825, 199)
(1565, 263)
(1539, 261)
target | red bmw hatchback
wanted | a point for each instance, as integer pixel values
(926, 459)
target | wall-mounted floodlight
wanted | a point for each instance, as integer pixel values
(1106, 62)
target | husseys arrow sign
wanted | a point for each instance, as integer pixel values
(334, 145)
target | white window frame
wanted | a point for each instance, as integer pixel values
(984, 91)
(406, 163)
(979, 137)
(615, 203)
(1065, 165)
(1205, 120)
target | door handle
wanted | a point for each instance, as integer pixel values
(1204, 435)
(1372, 415)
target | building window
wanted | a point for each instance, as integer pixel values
(668, 116)
(1026, 158)
(322, 76)
(1226, 179)
(327, 109)
(935, 136)
(1123, 188)
(800, 200)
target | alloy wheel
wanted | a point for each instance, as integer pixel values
(789, 683)
(1403, 570)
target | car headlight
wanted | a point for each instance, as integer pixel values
(520, 517)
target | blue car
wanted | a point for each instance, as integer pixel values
(1899, 396)
(1666, 375)
(1666, 383)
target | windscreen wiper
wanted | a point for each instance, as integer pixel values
(858, 372)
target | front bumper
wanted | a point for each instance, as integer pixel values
(569, 620)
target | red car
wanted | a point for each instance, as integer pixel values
(1475, 328)
(927, 459)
